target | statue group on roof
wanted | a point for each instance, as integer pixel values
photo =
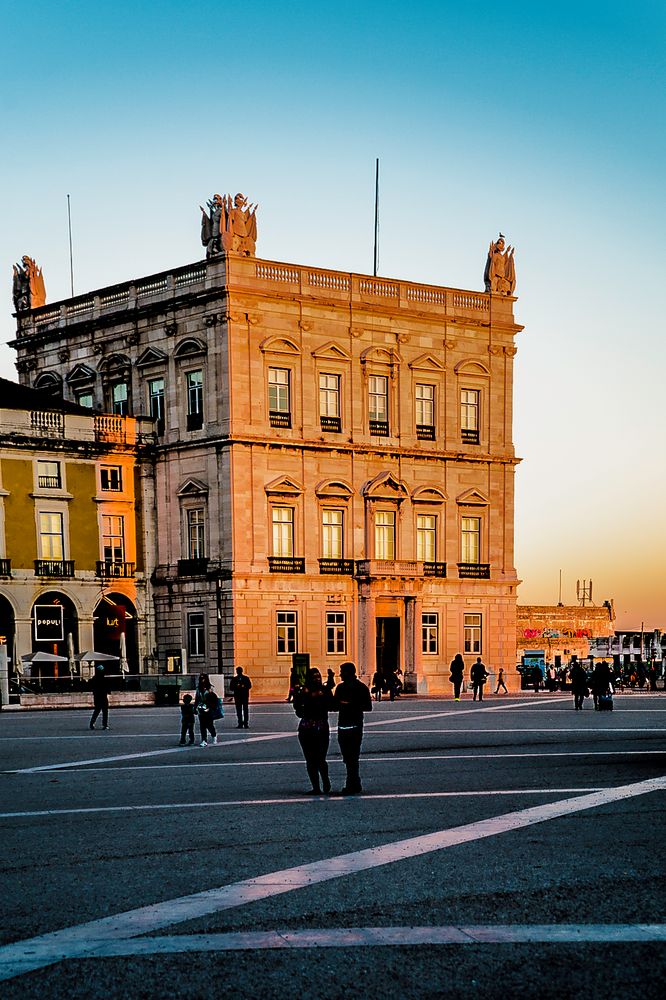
(229, 226)
(28, 287)
(500, 273)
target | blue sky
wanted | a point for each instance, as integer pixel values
(544, 121)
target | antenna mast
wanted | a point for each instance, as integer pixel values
(376, 255)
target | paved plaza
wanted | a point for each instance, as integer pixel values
(509, 848)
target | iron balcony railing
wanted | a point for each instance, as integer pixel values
(109, 569)
(474, 571)
(333, 424)
(54, 567)
(48, 482)
(425, 432)
(5, 567)
(434, 569)
(280, 419)
(193, 567)
(379, 428)
(470, 435)
(286, 564)
(336, 566)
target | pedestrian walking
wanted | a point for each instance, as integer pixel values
(293, 683)
(206, 705)
(100, 690)
(240, 688)
(500, 681)
(537, 677)
(186, 721)
(456, 675)
(601, 681)
(376, 688)
(579, 686)
(312, 703)
(351, 700)
(478, 675)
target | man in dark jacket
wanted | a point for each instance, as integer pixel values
(351, 700)
(240, 688)
(478, 676)
(100, 690)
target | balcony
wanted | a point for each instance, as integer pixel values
(336, 566)
(330, 424)
(474, 571)
(470, 435)
(434, 569)
(49, 482)
(286, 564)
(107, 570)
(279, 419)
(193, 567)
(389, 567)
(379, 428)
(425, 432)
(5, 567)
(54, 567)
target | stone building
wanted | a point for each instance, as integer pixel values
(334, 471)
(558, 632)
(73, 540)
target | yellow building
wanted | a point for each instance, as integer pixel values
(334, 472)
(72, 545)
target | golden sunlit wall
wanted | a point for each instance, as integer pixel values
(83, 525)
(20, 530)
(138, 522)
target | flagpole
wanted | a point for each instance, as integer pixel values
(376, 255)
(71, 258)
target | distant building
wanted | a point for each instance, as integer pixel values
(334, 471)
(73, 539)
(559, 632)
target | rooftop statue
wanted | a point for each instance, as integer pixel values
(28, 285)
(500, 273)
(229, 225)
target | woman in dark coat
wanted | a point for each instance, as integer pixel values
(457, 673)
(312, 704)
(578, 685)
(205, 701)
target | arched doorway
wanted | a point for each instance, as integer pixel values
(8, 631)
(54, 620)
(115, 616)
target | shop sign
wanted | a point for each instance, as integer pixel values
(49, 623)
(555, 633)
(113, 621)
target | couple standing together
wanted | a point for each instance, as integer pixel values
(312, 703)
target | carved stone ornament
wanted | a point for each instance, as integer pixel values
(63, 355)
(356, 331)
(28, 287)
(21, 367)
(402, 338)
(511, 351)
(229, 226)
(171, 329)
(99, 348)
(132, 338)
(494, 350)
(253, 318)
(305, 325)
(449, 344)
(500, 273)
(210, 320)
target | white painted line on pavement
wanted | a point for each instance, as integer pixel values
(293, 800)
(197, 761)
(74, 942)
(379, 937)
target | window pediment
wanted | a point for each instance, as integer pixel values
(386, 486)
(331, 352)
(115, 364)
(193, 487)
(81, 374)
(380, 356)
(426, 362)
(190, 347)
(472, 367)
(284, 486)
(279, 345)
(334, 488)
(152, 356)
(429, 494)
(472, 498)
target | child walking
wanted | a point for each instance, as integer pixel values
(186, 721)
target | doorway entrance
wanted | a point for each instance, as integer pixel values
(387, 651)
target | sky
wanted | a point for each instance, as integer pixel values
(543, 121)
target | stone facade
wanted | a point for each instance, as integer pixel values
(562, 630)
(334, 470)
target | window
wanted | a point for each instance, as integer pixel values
(194, 400)
(156, 402)
(196, 533)
(469, 415)
(471, 540)
(336, 632)
(195, 633)
(329, 402)
(425, 412)
(287, 632)
(85, 399)
(51, 543)
(120, 399)
(385, 534)
(283, 531)
(48, 475)
(332, 534)
(279, 406)
(430, 632)
(378, 404)
(426, 538)
(111, 478)
(113, 538)
(472, 636)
